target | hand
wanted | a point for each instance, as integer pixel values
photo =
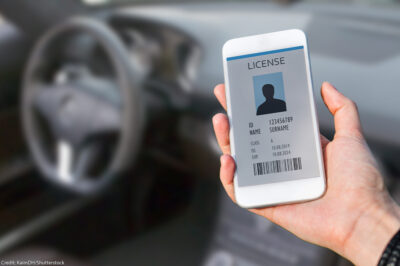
(356, 217)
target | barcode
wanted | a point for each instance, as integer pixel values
(277, 166)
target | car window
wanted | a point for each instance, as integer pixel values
(108, 2)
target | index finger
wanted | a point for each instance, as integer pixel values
(219, 92)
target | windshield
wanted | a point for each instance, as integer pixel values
(375, 2)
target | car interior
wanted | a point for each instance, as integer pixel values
(107, 151)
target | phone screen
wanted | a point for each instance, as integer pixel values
(271, 117)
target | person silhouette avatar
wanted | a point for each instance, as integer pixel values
(271, 105)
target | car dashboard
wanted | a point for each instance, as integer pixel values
(342, 41)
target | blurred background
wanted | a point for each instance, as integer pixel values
(107, 154)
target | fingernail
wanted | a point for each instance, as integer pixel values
(222, 158)
(214, 119)
(330, 84)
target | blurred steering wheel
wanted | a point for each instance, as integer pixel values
(72, 122)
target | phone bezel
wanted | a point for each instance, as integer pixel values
(280, 192)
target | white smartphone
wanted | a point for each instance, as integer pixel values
(273, 123)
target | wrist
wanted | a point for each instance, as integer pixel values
(371, 234)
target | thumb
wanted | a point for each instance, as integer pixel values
(344, 111)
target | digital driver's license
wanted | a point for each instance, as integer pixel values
(271, 117)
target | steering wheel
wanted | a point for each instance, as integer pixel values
(72, 121)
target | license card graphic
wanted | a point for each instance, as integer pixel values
(273, 135)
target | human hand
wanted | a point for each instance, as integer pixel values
(356, 217)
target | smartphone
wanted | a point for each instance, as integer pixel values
(273, 122)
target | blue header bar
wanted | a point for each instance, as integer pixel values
(264, 53)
